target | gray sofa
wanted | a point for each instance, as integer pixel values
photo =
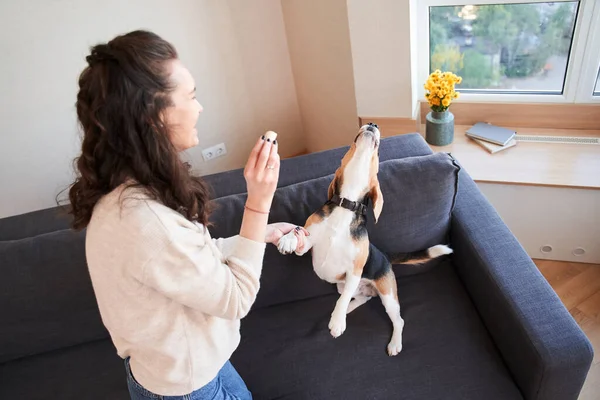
(480, 324)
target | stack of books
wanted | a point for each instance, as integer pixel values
(492, 138)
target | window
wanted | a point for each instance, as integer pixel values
(513, 50)
(504, 47)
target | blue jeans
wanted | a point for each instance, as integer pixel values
(228, 385)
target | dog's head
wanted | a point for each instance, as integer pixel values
(357, 176)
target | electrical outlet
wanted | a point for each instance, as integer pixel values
(220, 150)
(213, 152)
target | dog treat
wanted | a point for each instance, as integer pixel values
(270, 136)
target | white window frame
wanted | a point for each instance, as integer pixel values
(584, 57)
(591, 65)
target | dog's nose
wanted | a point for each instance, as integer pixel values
(371, 127)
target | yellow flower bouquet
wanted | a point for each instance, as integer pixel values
(440, 89)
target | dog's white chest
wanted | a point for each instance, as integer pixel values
(333, 252)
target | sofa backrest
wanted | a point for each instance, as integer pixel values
(46, 297)
(293, 170)
(34, 223)
(316, 165)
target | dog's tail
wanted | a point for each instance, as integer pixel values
(421, 256)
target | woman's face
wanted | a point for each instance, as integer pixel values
(181, 117)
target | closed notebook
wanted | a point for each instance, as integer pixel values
(491, 133)
(492, 147)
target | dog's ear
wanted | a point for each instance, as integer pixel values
(376, 197)
(374, 190)
(334, 185)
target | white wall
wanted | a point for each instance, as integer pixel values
(236, 51)
(384, 66)
(319, 42)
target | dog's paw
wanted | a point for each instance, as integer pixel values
(439, 250)
(395, 346)
(337, 325)
(288, 243)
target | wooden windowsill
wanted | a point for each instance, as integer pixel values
(540, 164)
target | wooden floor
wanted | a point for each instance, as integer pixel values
(578, 286)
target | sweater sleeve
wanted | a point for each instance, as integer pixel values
(226, 245)
(188, 271)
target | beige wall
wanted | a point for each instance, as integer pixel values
(263, 48)
(380, 33)
(236, 51)
(319, 43)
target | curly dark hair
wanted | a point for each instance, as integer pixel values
(123, 92)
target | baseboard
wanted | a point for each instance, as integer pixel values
(390, 126)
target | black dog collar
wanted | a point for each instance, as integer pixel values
(354, 206)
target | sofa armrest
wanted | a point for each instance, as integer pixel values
(547, 353)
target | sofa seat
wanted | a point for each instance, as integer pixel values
(288, 353)
(91, 371)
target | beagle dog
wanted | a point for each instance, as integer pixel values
(341, 251)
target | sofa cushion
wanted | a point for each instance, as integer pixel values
(46, 296)
(91, 371)
(419, 194)
(286, 351)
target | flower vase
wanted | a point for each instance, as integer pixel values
(439, 128)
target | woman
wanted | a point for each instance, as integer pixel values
(170, 296)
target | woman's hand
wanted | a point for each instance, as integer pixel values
(262, 173)
(277, 230)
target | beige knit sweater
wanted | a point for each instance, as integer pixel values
(170, 296)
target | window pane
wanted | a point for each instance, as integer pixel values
(504, 47)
